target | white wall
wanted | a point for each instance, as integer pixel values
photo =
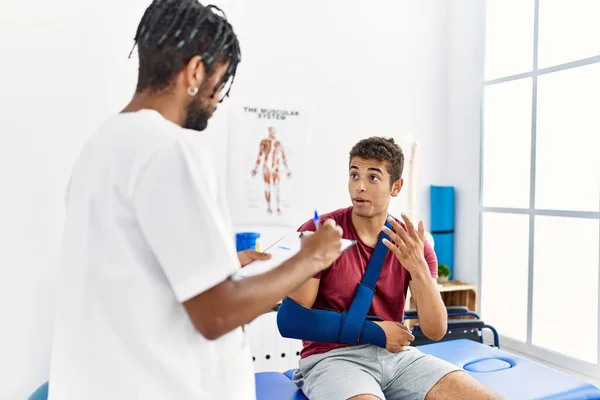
(461, 135)
(417, 68)
(361, 71)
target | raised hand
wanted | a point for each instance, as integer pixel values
(407, 245)
(397, 336)
(324, 246)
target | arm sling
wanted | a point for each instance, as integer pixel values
(353, 326)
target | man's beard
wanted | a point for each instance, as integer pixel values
(197, 117)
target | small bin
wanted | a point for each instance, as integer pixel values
(247, 241)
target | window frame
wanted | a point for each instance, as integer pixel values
(528, 348)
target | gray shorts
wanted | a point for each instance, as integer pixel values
(351, 371)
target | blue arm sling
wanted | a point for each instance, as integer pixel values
(353, 326)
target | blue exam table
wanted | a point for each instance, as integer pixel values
(511, 376)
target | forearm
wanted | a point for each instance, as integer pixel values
(306, 294)
(431, 310)
(240, 302)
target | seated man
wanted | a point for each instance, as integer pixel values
(330, 371)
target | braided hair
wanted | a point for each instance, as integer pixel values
(171, 32)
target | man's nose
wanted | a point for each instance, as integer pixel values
(360, 186)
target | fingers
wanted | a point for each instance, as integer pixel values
(410, 336)
(263, 256)
(331, 223)
(398, 229)
(325, 246)
(409, 225)
(399, 338)
(421, 230)
(399, 233)
(403, 236)
(398, 241)
(255, 255)
(397, 348)
(398, 236)
(393, 248)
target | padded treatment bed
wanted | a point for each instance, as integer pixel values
(511, 376)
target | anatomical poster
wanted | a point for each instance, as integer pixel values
(268, 162)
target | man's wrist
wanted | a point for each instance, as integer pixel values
(421, 273)
(312, 262)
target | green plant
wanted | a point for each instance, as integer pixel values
(443, 270)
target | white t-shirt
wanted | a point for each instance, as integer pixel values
(146, 229)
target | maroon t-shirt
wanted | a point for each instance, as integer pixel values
(338, 283)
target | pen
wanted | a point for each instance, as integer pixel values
(316, 220)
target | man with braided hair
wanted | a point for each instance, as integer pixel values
(147, 307)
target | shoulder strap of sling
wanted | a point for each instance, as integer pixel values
(354, 318)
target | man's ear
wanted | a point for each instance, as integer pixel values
(194, 73)
(396, 187)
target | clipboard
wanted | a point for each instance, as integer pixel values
(282, 250)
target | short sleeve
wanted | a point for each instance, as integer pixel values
(310, 226)
(431, 259)
(182, 222)
(307, 226)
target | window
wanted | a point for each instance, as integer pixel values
(540, 168)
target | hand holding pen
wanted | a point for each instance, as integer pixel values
(322, 247)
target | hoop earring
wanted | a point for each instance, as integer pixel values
(192, 92)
